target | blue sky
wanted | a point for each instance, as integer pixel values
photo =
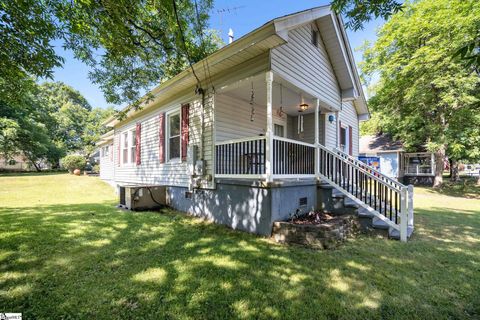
(249, 15)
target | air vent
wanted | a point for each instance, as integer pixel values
(302, 201)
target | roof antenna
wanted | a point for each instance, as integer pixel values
(230, 35)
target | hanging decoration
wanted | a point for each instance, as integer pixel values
(280, 111)
(252, 104)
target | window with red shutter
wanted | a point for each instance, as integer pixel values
(185, 127)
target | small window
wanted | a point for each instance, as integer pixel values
(173, 136)
(133, 146)
(343, 137)
(315, 37)
(279, 130)
(125, 148)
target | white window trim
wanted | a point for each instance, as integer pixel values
(347, 140)
(174, 111)
(129, 147)
(283, 124)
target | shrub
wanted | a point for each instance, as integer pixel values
(96, 168)
(73, 162)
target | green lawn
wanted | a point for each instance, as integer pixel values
(66, 252)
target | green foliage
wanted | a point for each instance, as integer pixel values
(129, 45)
(359, 12)
(72, 162)
(424, 96)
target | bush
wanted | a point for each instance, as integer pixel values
(96, 168)
(73, 162)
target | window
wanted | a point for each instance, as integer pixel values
(418, 164)
(173, 135)
(125, 147)
(315, 36)
(279, 130)
(343, 139)
(133, 145)
(105, 151)
(129, 143)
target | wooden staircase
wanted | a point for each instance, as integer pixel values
(380, 202)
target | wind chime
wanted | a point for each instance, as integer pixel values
(280, 111)
(302, 107)
(252, 104)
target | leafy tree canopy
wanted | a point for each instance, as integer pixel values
(129, 45)
(424, 96)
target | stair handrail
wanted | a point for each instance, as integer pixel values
(397, 184)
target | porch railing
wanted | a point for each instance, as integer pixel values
(244, 156)
(291, 157)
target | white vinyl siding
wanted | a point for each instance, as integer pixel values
(300, 62)
(106, 163)
(233, 118)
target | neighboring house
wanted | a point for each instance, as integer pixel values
(417, 168)
(20, 163)
(256, 143)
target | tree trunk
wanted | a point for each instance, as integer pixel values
(454, 176)
(439, 158)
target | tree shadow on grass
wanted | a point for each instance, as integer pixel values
(90, 260)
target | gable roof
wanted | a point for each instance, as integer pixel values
(261, 40)
(379, 143)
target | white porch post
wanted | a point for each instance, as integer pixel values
(317, 138)
(269, 134)
(403, 214)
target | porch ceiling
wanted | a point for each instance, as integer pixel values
(284, 94)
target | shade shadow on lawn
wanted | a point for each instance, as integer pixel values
(93, 261)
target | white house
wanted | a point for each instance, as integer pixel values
(275, 116)
(417, 168)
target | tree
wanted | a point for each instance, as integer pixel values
(94, 128)
(424, 97)
(130, 45)
(359, 12)
(23, 127)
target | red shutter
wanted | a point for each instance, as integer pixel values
(161, 137)
(138, 135)
(118, 149)
(185, 124)
(350, 140)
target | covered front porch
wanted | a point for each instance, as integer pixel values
(267, 128)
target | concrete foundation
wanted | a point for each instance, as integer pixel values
(247, 205)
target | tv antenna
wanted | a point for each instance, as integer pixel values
(224, 11)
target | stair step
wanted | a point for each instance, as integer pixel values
(350, 203)
(324, 185)
(337, 194)
(364, 213)
(395, 234)
(379, 223)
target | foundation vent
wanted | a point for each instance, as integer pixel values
(302, 201)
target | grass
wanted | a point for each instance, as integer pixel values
(67, 253)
